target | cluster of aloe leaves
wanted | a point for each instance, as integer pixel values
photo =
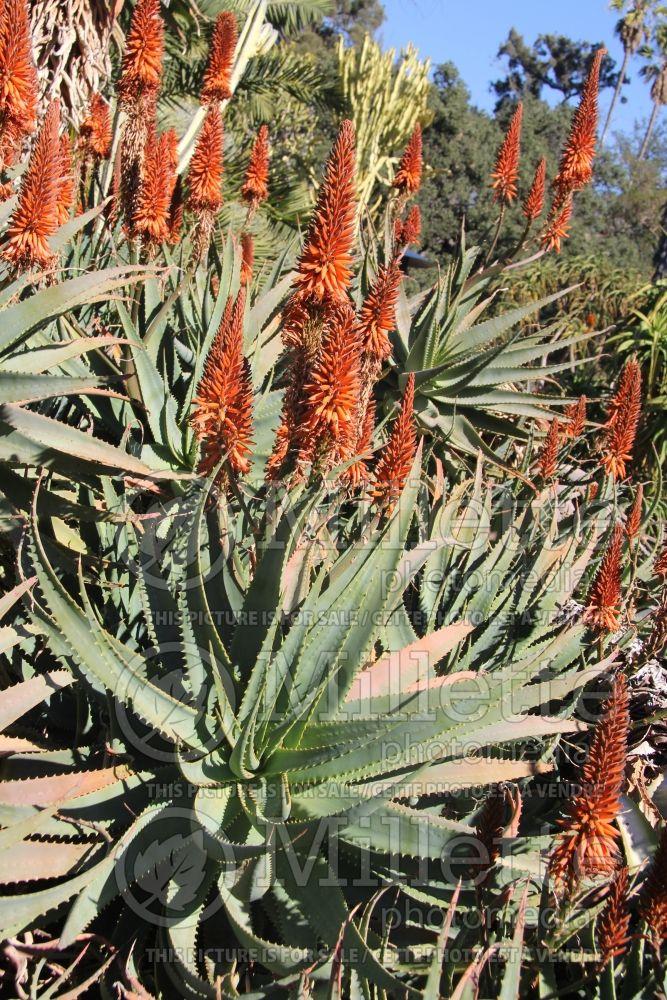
(246, 740)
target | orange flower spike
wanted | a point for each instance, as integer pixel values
(587, 845)
(95, 134)
(602, 608)
(548, 460)
(653, 898)
(223, 406)
(151, 216)
(634, 520)
(408, 231)
(398, 454)
(332, 391)
(630, 374)
(141, 70)
(576, 165)
(378, 313)
(623, 421)
(247, 258)
(66, 182)
(558, 227)
(533, 205)
(612, 931)
(506, 171)
(255, 187)
(35, 218)
(217, 79)
(409, 174)
(324, 269)
(575, 416)
(18, 75)
(205, 173)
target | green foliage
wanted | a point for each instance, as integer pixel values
(553, 62)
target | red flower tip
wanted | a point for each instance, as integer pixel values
(409, 173)
(587, 845)
(222, 417)
(408, 231)
(398, 454)
(331, 393)
(205, 173)
(35, 218)
(255, 187)
(624, 413)
(506, 170)
(576, 165)
(548, 460)
(533, 206)
(141, 69)
(378, 313)
(18, 76)
(324, 269)
(151, 220)
(95, 134)
(575, 416)
(557, 226)
(604, 599)
(217, 79)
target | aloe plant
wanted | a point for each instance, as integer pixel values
(263, 744)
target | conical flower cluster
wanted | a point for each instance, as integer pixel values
(409, 174)
(377, 317)
(548, 461)
(35, 218)
(205, 180)
(18, 79)
(533, 205)
(255, 187)
(324, 269)
(331, 393)
(141, 71)
(506, 171)
(558, 226)
(95, 134)
(205, 173)
(587, 845)
(622, 422)
(222, 416)
(604, 599)
(576, 165)
(217, 79)
(575, 419)
(152, 214)
(407, 231)
(398, 454)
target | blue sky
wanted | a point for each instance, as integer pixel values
(469, 32)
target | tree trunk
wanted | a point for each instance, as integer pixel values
(649, 130)
(617, 94)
